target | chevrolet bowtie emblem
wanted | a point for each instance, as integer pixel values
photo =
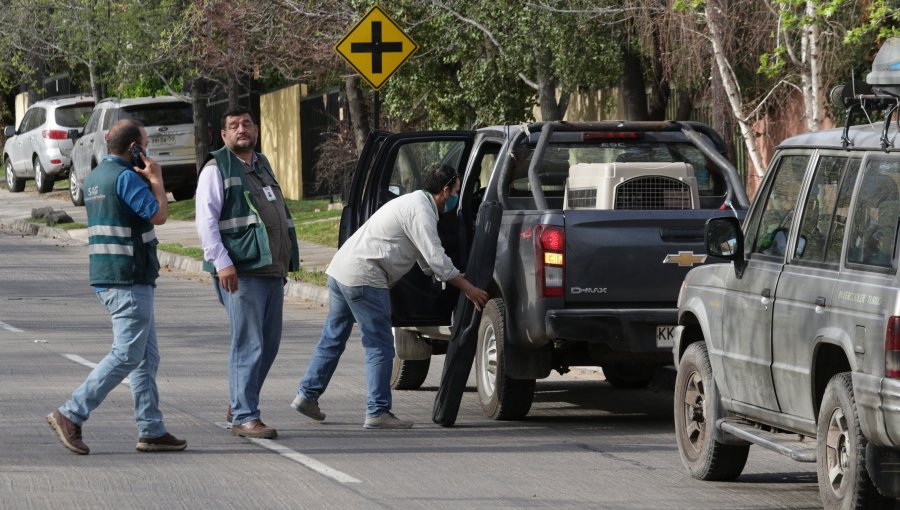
(685, 259)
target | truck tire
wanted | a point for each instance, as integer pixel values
(697, 407)
(629, 375)
(409, 374)
(844, 482)
(501, 397)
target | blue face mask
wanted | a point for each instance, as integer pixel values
(451, 203)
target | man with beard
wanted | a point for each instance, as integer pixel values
(249, 245)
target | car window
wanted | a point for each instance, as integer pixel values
(778, 212)
(414, 158)
(72, 116)
(819, 209)
(92, 122)
(873, 233)
(38, 119)
(842, 211)
(107, 118)
(166, 114)
(26, 121)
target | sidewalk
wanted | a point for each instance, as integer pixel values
(15, 211)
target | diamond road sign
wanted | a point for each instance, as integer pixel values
(376, 47)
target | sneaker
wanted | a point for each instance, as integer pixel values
(164, 443)
(309, 408)
(386, 420)
(68, 433)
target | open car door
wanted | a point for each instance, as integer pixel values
(391, 165)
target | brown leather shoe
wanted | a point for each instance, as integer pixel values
(68, 433)
(164, 443)
(228, 416)
(254, 429)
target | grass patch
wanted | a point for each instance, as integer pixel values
(178, 249)
(301, 210)
(324, 233)
(62, 226)
(311, 277)
(304, 275)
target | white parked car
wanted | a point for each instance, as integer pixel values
(169, 124)
(40, 148)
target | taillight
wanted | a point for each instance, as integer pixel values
(55, 134)
(892, 349)
(549, 251)
(610, 135)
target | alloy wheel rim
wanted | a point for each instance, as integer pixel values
(73, 185)
(694, 403)
(489, 359)
(38, 175)
(837, 458)
(9, 175)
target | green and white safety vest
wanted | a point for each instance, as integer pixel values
(242, 231)
(121, 244)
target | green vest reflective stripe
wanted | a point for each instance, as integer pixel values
(121, 245)
(243, 233)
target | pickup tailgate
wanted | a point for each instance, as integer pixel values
(616, 258)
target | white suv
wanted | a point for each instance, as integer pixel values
(40, 149)
(170, 126)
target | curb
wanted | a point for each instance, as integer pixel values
(299, 290)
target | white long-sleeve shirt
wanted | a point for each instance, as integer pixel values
(400, 233)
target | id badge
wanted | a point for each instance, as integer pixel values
(270, 195)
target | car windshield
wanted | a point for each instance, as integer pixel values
(165, 114)
(73, 116)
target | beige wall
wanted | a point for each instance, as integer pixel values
(279, 113)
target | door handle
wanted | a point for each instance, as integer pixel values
(766, 293)
(820, 301)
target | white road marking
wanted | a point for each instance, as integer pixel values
(7, 327)
(317, 466)
(90, 364)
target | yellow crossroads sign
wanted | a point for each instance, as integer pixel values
(376, 47)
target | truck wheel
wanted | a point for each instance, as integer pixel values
(697, 407)
(502, 397)
(409, 374)
(43, 181)
(13, 184)
(629, 375)
(841, 451)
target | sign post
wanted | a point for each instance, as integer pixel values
(376, 47)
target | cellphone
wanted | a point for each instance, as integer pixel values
(136, 159)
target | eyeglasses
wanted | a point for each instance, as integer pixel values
(450, 181)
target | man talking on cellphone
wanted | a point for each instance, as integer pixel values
(125, 198)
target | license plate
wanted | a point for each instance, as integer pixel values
(162, 140)
(665, 336)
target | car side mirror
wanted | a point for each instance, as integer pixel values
(724, 239)
(9, 131)
(73, 134)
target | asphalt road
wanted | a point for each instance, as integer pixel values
(584, 444)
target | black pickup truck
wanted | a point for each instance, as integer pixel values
(600, 223)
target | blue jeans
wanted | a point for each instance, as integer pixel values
(134, 354)
(371, 308)
(255, 314)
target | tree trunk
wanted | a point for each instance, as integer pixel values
(234, 92)
(811, 73)
(660, 92)
(359, 113)
(730, 84)
(634, 95)
(685, 105)
(201, 121)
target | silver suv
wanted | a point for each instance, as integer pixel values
(40, 149)
(794, 345)
(170, 126)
